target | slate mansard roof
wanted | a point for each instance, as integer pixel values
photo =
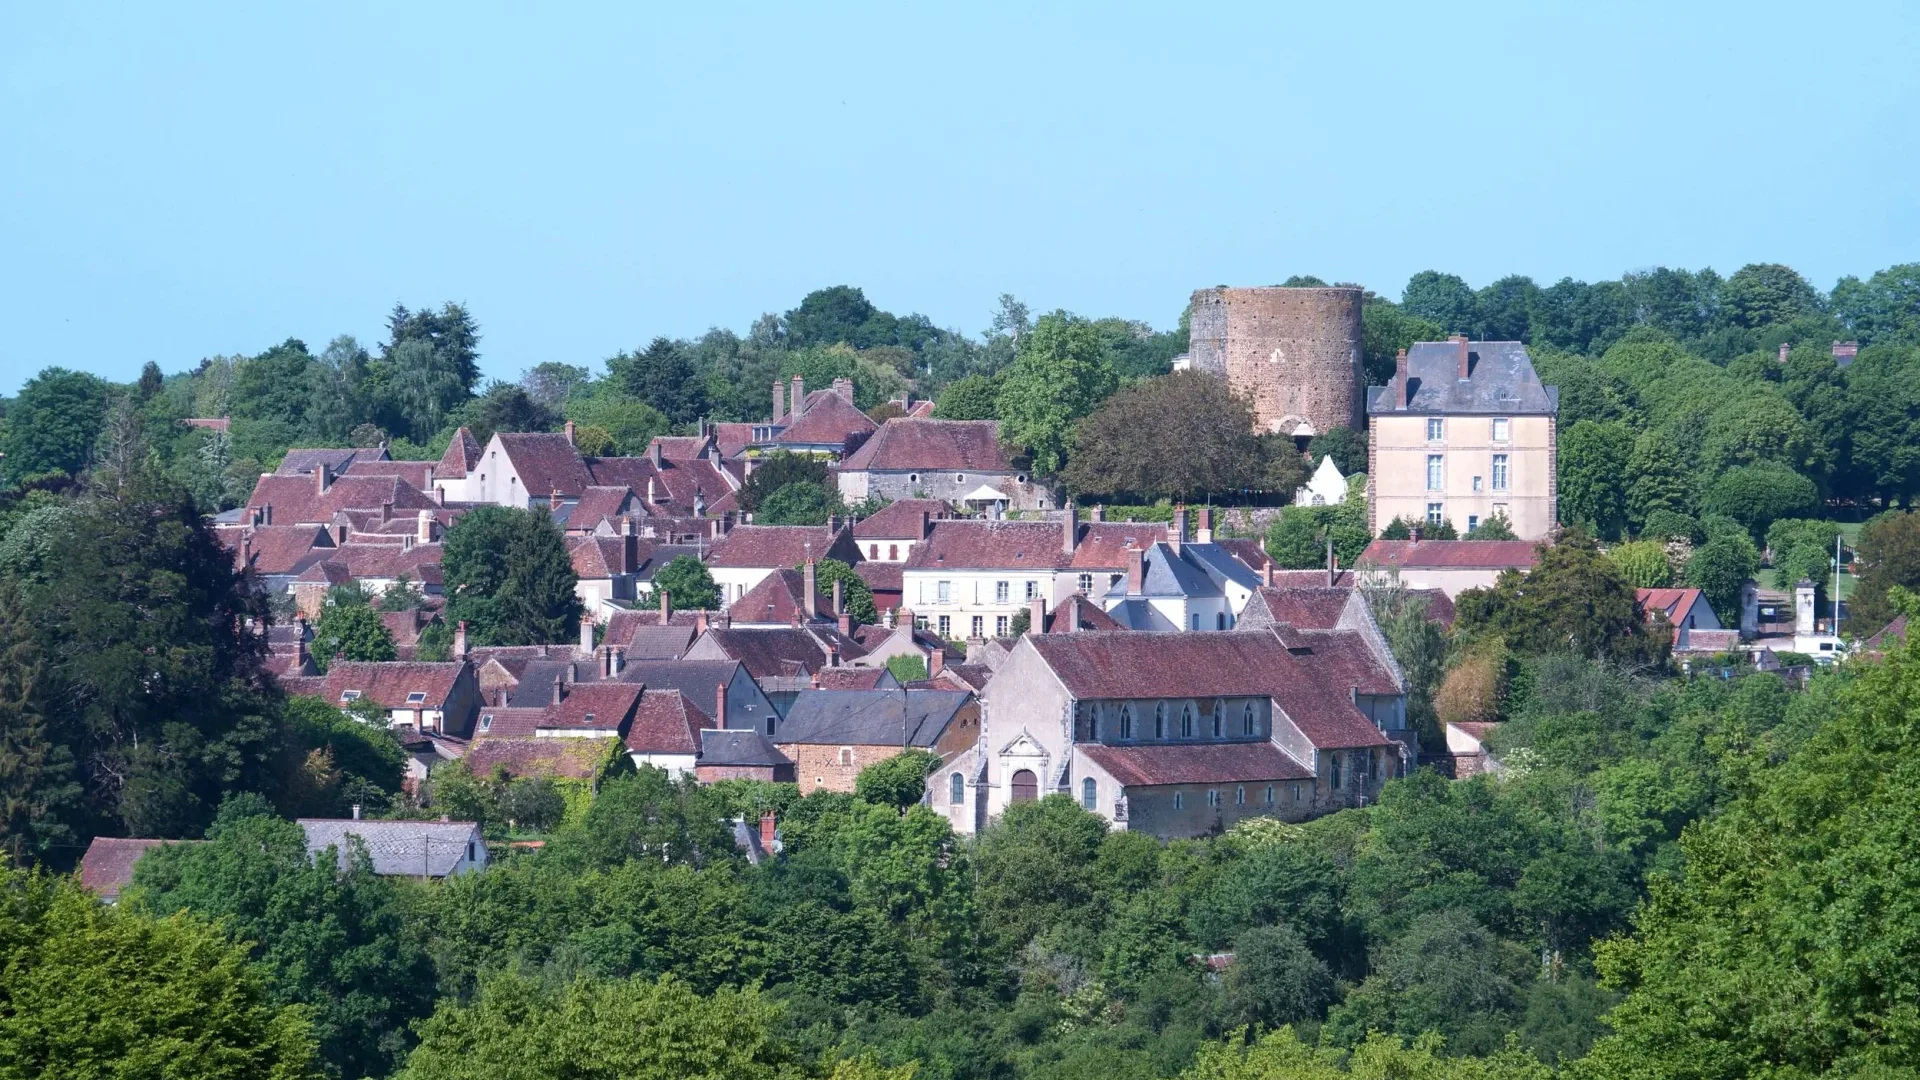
(1501, 381)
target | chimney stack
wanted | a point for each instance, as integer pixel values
(720, 704)
(1098, 513)
(1402, 392)
(936, 663)
(570, 433)
(1266, 573)
(386, 511)
(1460, 344)
(424, 527)
(1844, 352)
(1205, 533)
(322, 478)
(355, 811)
(846, 621)
(586, 633)
(666, 607)
(798, 398)
(813, 681)
(839, 597)
(767, 831)
(1136, 571)
(1070, 528)
(606, 661)
(809, 583)
(246, 551)
(629, 547)
(300, 646)
(1036, 614)
(559, 689)
(833, 654)
(843, 388)
(1177, 534)
(779, 403)
(700, 622)
(656, 456)
(926, 524)
(1073, 614)
(1333, 565)
(1785, 348)
(460, 640)
(619, 659)
(439, 495)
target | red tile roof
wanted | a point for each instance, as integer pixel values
(276, 549)
(675, 487)
(904, 444)
(389, 683)
(1315, 689)
(296, 500)
(882, 577)
(1030, 545)
(107, 867)
(417, 473)
(772, 652)
(827, 420)
(778, 599)
(1208, 763)
(559, 759)
(546, 462)
(1891, 634)
(363, 561)
(509, 722)
(1247, 551)
(405, 626)
(754, 546)
(1453, 554)
(666, 723)
(599, 503)
(595, 706)
(602, 557)
(851, 678)
(1091, 616)
(463, 455)
(621, 625)
(1305, 608)
(732, 438)
(899, 520)
(680, 447)
(1669, 602)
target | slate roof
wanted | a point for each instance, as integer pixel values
(1029, 545)
(295, 499)
(1315, 689)
(397, 848)
(668, 642)
(462, 456)
(898, 520)
(694, 679)
(560, 759)
(755, 546)
(301, 461)
(770, 652)
(652, 560)
(107, 867)
(740, 748)
(1452, 554)
(778, 599)
(389, 683)
(853, 678)
(1197, 570)
(546, 462)
(1200, 763)
(905, 444)
(869, 717)
(1501, 381)
(667, 723)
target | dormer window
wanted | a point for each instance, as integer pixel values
(486, 722)
(417, 697)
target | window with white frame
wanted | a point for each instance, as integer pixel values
(1500, 472)
(1436, 472)
(1502, 429)
(1436, 429)
(1001, 626)
(1436, 513)
(1033, 589)
(1086, 584)
(1473, 522)
(946, 627)
(846, 755)
(1240, 796)
(1002, 592)
(943, 591)
(979, 626)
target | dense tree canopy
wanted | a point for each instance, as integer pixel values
(1178, 436)
(509, 578)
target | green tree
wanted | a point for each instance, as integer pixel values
(1574, 600)
(907, 668)
(1886, 555)
(350, 628)
(52, 423)
(800, 503)
(1297, 539)
(689, 583)
(98, 991)
(899, 781)
(974, 397)
(1643, 563)
(1443, 299)
(508, 576)
(1178, 436)
(1496, 527)
(630, 423)
(596, 1029)
(329, 933)
(551, 383)
(39, 798)
(1759, 494)
(451, 332)
(647, 816)
(1385, 329)
(335, 760)
(1720, 568)
(504, 407)
(1275, 979)
(1593, 475)
(1656, 478)
(1762, 294)
(1347, 448)
(781, 469)
(1060, 375)
(855, 593)
(662, 376)
(1501, 310)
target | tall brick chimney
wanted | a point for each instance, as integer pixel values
(386, 511)
(798, 397)
(655, 455)
(246, 551)
(1845, 351)
(936, 662)
(1177, 533)
(846, 622)
(423, 527)
(460, 640)
(843, 388)
(926, 524)
(570, 429)
(666, 607)
(559, 689)
(322, 478)
(779, 403)
(768, 830)
(1205, 533)
(1401, 394)
(1460, 345)
(808, 583)
(1785, 348)
(1036, 614)
(586, 633)
(1070, 528)
(553, 499)
(1136, 571)
(839, 597)
(720, 704)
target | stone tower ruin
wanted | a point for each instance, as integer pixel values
(1294, 352)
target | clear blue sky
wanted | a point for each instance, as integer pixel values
(179, 180)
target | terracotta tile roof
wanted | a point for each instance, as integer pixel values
(1669, 602)
(603, 557)
(594, 706)
(1029, 545)
(666, 723)
(1311, 579)
(851, 678)
(772, 652)
(1315, 690)
(676, 486)
(904, 444)
(882, 577)
(462, 456)
(1306, 608)
(772, 546)
(622, 625)
(107, 867)
(296, 500)
(301, 461)
(732, 438)
(1888, 635)
(1452, 554)
(659, 642)
(390, 684)
(779, 599)
(405, 626)
(974, 677)
(920, 409)
(1090, 616)
(899, 520)
(1709, 641)
(558, 759)
(276, 549)
(508, 722)
(363, 561)
(1207, 763)
(417, 473)
(546, 462)
(828, 420)
(597, 504)
(680, 447)
(1247, 551)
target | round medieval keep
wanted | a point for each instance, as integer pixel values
(1295, 353)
